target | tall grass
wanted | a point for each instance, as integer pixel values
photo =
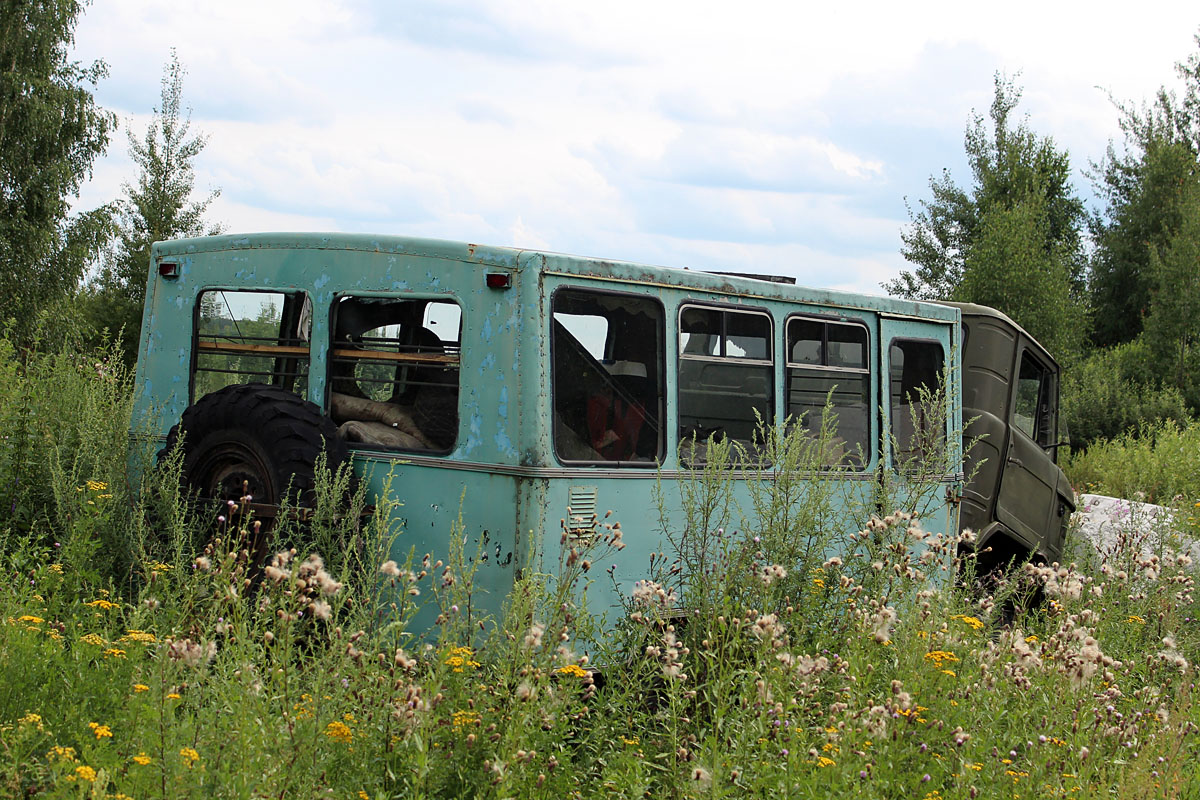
(177, 670)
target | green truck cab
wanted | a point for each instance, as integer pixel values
(1018, 500)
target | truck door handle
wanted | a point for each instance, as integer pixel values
(1016, 462)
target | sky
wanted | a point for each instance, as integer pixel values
(766, 137)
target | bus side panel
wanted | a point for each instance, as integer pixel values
(465, 519)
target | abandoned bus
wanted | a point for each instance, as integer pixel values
(521, 388)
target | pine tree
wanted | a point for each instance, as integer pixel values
(157, 207)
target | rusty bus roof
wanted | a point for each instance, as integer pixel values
(518, 259)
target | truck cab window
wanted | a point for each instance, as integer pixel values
(607, 377)
(1033, 410)
(394, 372)
(828, 362)
(251, 337)
(726, 376)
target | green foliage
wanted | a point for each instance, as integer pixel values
(1112, 392)
(1149, 189)
(1012, 241)
(157, 207)
(50, 133)
(1159, 462)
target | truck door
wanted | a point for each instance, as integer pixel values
(1028, 484)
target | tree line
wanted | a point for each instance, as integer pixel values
(1113, 292)
(81, 275)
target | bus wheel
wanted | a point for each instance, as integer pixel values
(256, 440)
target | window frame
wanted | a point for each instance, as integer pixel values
(871, 447)
(332, 354)
(944, 371)
(724, 308)
(297, 348)
(1047, 390)
(662, 410)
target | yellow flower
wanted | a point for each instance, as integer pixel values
(938, 657)
(363, 795)
(114, 652)
(30, 620)
(97, 486)
(339, 732)
(174, 696)
(139, 636)
(159, 566)
(85, 773)
(631, 741)
(140, 687)
(973, 622)
(572, 669)
(141, 758)
(1136, 619)
(94, 639)
(31, 719)
(189, 755)
(56, 568)
(461, 719)
(949, 672)
(104, 604)
(822, 761)
(61, 753)
(101, 731)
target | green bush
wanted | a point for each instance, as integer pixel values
(1114, 392)
(1159, 462)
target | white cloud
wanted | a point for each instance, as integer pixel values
(765, 133)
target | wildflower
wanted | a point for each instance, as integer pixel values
(572, 669)
(460, 659)
(61, 753)
(174, 696)
(114, 652)
(339, 732)
(141, 759)
(85, 773)
(101, 731)
(461, 719)
(771, 573)
(203, 563)
(321, 609)
(141, 637)
(881, 624)
(390, 568)
(56, 568)
(31, 620)
(823, 761)
(533, 638)
(190, 756)
(972, 622)
(939, 657)
(190, 653)
(93, 639)
(701, 777)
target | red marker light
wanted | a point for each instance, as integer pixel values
(499, 280)
(168, 269)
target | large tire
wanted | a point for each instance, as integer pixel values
(255, 439)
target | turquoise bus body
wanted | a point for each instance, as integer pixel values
(502, 473)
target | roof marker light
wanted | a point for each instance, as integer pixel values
(168, 269)
(499, 280)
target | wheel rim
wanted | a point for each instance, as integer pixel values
(232, 470)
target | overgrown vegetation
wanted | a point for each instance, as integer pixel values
(145, 656)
